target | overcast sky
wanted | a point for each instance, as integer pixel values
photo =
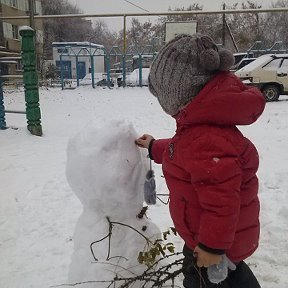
(121, 6)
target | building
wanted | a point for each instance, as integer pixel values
(86, 54)
(10, 42)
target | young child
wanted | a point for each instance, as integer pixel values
(209, 166)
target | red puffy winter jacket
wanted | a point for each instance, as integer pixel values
(210, 168)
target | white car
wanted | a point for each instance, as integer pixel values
(269, 73)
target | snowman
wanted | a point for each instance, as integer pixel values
(106, 171)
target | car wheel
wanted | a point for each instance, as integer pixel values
(271, 93)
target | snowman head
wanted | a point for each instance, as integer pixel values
(106, 170)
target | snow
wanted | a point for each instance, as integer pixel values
(108, 184)
(85, 44)
(39, 210)
(25, 28)
(132, 79)
(87, 80)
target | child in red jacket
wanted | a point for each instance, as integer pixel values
(209, 166)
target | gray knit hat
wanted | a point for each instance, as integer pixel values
(182, 68)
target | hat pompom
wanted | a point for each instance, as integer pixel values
(209, 59)
(226, 60)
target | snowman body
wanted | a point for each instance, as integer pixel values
(106, 171)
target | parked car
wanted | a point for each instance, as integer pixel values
(269, 73)
(243, 62)
(242, 55)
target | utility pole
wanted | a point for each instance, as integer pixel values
(31, 14)
(223, 26)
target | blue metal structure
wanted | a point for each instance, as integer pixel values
(91, 51)
(142, 55)
(2, 108)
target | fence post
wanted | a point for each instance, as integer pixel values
(30, 77)
(124, 70)
(107, 60)
(140, 70)
(77, 70)
(61, 73)
(2, 108)
(92, 70)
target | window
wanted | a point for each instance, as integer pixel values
(273, 65)
(13, 3)
(26, 6)
(285, 64)
(15, 32)
(19, 66)
(62, 50)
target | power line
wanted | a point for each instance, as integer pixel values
(136, 6)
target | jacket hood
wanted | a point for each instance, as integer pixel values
(224, 100)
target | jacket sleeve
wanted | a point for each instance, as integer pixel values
(157, 148)
(216, 176)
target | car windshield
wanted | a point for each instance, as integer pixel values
(256, 63)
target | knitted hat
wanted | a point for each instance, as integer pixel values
(182, 68)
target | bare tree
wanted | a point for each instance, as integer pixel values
(57, 30)
(278, 23)
(247, 27)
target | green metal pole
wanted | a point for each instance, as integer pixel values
(77, 71)
(61, 73)
(30, 77)
(108, 70)
(92, 71)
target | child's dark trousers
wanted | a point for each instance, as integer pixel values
(195, 277)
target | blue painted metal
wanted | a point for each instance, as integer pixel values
(2, 108)
(65, 67)
(81, 67)
(61, 72)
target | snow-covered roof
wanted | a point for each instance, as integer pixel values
(76, 44)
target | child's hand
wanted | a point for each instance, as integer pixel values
(144, 141)
(206, 259)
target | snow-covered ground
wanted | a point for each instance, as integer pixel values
(38, 210)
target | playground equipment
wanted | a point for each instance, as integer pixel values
(76, 51)
(30, 77)
(135, 58)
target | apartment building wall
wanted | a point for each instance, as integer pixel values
(10, 28)
(2, 42)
